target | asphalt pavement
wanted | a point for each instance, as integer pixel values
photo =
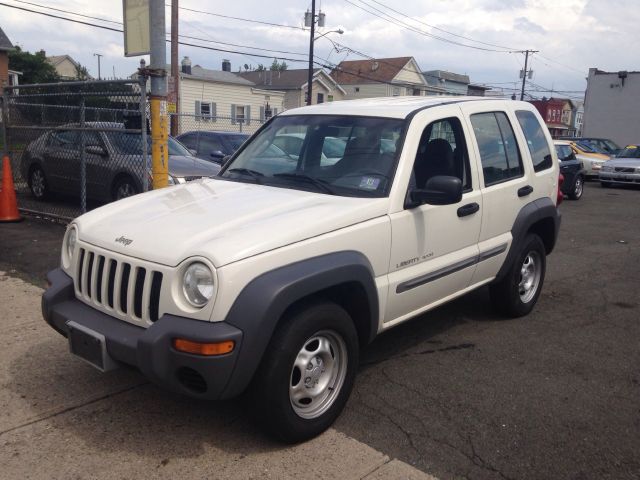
(456, 393)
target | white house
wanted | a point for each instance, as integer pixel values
(67, 67)
(222, 100)
(294, 84)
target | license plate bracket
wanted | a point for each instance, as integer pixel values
(90, 346)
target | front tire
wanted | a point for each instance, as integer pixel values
(124, 187)
(307, 372)
(578, 188)
(517, 293)
(38, 183)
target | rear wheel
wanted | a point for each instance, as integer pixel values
(124, 187)
(307, 373)
(577, 189)
(38, 183)
(517, 293)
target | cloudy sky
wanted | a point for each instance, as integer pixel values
(571, 35)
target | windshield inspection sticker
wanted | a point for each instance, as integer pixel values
(369, 183)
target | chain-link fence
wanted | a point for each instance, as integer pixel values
(189, 122)
(75, 145)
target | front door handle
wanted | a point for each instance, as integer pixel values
(468, 209)
(524, 191)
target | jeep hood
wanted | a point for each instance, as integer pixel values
(221, 220)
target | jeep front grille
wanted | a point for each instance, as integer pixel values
(126, 289)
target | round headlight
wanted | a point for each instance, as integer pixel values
(197, 284)
(69, 246)
(72, 238)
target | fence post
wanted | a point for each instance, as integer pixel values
(142, 80)
(5, 120)
(83, 160)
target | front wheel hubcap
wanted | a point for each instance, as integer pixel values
(318, 374)
(530, 273)
(124, 190)
(37, 183)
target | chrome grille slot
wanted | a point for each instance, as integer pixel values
(123, 289)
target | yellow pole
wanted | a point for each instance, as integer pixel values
(159, 146)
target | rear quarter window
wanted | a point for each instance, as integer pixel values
(536, 140)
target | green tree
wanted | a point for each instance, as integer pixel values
(82, 73)
(34, 66)
(277, 66)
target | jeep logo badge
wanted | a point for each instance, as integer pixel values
(124, 241)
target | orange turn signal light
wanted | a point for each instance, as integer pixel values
(209, 349)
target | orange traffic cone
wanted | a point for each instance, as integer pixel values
(8, 202)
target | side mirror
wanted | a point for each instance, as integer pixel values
(95, 150)
(217, 154)
(439, 190)
(225, 160)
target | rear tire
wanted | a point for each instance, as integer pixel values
(307, 373)
(517, 293)
(577, 189)
(38, 183)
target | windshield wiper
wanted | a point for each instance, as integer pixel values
(247, 171)
(321, 184)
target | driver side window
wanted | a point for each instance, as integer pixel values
(442, 151)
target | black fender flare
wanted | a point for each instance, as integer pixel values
(260, 305)
(529, 215)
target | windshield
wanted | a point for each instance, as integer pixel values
(586, 147)
(631, 151)
(236, 141)
(340, 155)
(131, 144)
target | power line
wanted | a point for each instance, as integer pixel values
(240, 18)
(69, 12)
(182, 36)
(402, 24)
(104, 27)
(440, 29)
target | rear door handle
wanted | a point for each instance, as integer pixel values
(468, 209)
(524, 191)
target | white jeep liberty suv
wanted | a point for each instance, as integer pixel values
(330, 225)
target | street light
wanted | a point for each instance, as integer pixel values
(310, 20)
(338, 31)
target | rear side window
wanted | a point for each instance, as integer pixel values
(536, 140)
(499, 151)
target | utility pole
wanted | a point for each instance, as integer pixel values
(158, 100)
(175, 75)
(524, 72)
(311, 39)
(99, 56)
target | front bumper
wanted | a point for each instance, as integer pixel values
(149, 349)
(620, 177)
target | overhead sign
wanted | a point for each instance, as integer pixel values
(137, 33)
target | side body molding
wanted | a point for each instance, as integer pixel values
(530, 214)
(262, 302)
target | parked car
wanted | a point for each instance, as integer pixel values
(273, 275)
(114, 164)
(212, 146)
(624, 169)
(605, 145)
(572, 169)
(591, 159)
